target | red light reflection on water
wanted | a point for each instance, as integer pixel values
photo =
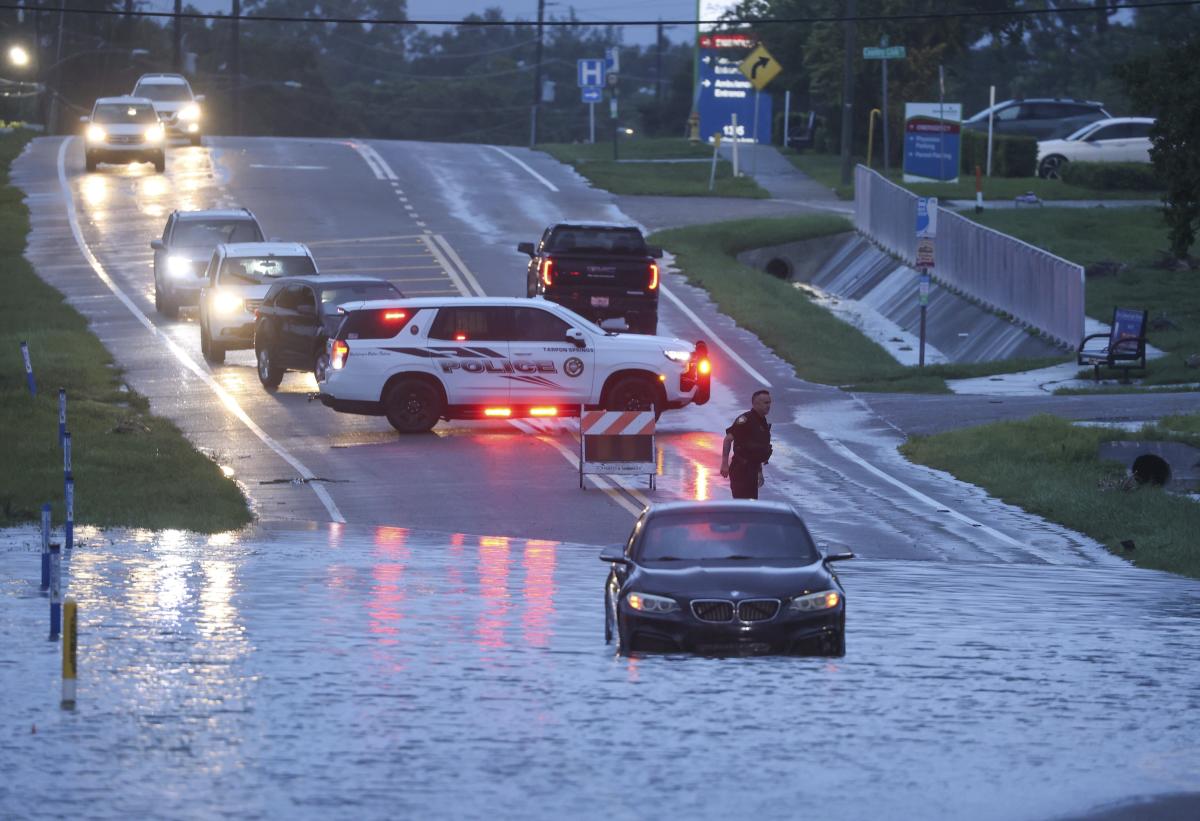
(494, 562)
(539, 591)
(387, 588)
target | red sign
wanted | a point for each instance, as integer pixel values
(728, 40)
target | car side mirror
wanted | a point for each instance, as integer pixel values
(654, 251)
(157, 245)
(838, 557)
(614, 555)
(526, 248)
(575, 335)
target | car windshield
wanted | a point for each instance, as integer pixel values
(704, 536)
(357, 293)
(164, 92)
(619, 241)
(256, 270)
(124, 114)
(211, 233)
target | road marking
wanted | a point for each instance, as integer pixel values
(292, 167)
(535, 174)
(187, 361)
(378, 165)
(462, 266)
(455, 279)
(614, 493)
(711, 334)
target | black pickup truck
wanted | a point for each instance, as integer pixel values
(598, 270)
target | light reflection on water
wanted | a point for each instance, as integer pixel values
(350, 671)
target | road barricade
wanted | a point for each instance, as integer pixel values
(616, 443)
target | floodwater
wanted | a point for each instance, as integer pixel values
(381, 672)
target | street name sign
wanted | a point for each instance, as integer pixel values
(883, 53)
(760, 67)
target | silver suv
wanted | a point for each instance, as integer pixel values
(1042, 118)
(123, 130)
(187, 244)
(177, 107)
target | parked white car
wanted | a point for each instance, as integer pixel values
(1117, 139)
(416, 361)
(238, 277)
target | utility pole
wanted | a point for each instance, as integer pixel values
(537, 77)
(54, 105)
(658, 66)
(848, 93)
(237, 70)
(178, 27)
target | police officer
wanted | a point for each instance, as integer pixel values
(750, 438)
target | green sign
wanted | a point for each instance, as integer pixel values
(881, 53)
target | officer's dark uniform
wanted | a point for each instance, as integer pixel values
(751, 449)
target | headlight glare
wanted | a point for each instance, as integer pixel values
(813, 602)
(225, 303)
(179, 266)
(95, 134)
(155, 133)
(191, 111)
(648, 603)
(678, 356)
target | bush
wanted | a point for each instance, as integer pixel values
(1012, 156)
(1113, 176)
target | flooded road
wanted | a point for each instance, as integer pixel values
(338, 671)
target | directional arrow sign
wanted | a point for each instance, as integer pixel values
(760, 67)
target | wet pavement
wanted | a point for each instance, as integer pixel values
(339, 671)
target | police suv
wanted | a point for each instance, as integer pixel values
(416, 361)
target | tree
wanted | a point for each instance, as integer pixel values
(1168, 84)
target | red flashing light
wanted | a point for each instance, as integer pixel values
(392, 316)
(705, 367)
(497, 412)
(460, 337)
(547, 272)
(547, 411)
(653, 275)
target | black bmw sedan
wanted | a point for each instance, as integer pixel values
(723, 578)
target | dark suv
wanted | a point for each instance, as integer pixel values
(1042, 118)
(599, 270)
(187, 244)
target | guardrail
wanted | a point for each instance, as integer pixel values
(1035, 287)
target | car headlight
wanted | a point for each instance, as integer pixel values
(189, 112)
(648, 603)
(225, 303)
(155, 133)
(179, 266)
(96, 134)
(678, 356)
(825, 600)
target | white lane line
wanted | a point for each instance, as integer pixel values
(462, 266)
(614, 493)
(377, 164)
(222, 394)
(455, 279)
(535, 174)
(711, 334)
(291, 167)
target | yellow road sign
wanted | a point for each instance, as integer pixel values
(760, 67)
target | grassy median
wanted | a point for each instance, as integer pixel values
(1051, 468)
(821, 347)
(131, 468)
(653, 167)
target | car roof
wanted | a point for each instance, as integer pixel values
(457, 301)
(259, 249)
(1111, 120)
(1050, 100)
(124, 99)
(721, 506)
(594, 224)
(216, 213)
(162, 79)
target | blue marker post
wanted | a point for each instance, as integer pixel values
(62, 415)
(46, 546)
(28, 368)
(55, 591)
(69, 528)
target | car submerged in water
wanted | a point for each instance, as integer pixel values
(723, 578)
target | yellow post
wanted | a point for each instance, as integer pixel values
(694, 128)
(69, 648)
(871, 134)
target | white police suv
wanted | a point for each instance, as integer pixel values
(416, 361)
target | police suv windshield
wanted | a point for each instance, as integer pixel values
(706, 536)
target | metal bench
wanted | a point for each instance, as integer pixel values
(1125, 349)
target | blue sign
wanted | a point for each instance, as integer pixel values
(591, 73)
(931, 141)
(927, 217)
(591, 94)
(725, 91)
(612, 60)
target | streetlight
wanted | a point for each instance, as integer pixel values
(18, 56)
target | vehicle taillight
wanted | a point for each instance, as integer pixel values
(653, 275)
(705, 367)
(547, 272)
(394, 316)
(339, 354)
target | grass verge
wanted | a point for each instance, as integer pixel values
(131, 468)
(655, 174)
(1137, 239)
(827, 170)
(1051, 468)
(821, 347)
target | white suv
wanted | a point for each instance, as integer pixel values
(416, 361)
(177, 107)
(123, 130)
(238, 277)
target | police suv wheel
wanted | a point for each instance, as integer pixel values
(413, 406)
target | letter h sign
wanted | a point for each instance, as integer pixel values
(591, 73)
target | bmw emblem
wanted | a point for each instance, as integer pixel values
(573, 366)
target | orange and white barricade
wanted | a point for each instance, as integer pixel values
(616, 443)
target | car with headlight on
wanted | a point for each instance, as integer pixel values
(723, 578)
(238, 276)
(182, 254)
(123, 130)
(299, 315)
(417, 361)
(178, 108)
